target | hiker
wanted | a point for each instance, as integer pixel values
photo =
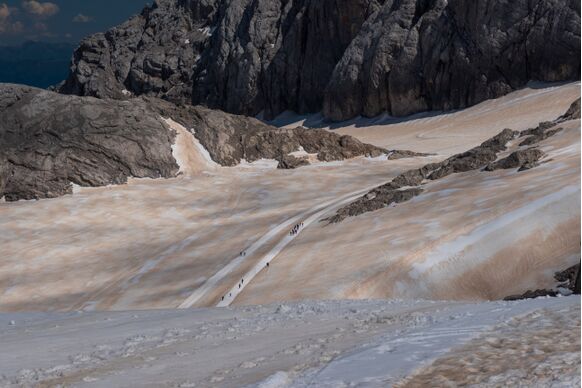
(223, 298)
(267, 265)
(242, 281)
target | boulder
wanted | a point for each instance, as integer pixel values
(291, 162)
(522, 159)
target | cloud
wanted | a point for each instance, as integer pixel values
(80, 18)
(37, 8)
(5, 12)
(40, 26)
(7, 26)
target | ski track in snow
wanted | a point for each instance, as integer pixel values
(272, 254)
(316, 212)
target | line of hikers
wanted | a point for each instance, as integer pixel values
(242, 281)
(295, 229)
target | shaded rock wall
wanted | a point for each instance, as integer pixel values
(417, 55)
(242, 56)
(347, 57)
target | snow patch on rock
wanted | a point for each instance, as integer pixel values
(190, 155)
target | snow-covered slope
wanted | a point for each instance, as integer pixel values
(178, 242)
(308, 344)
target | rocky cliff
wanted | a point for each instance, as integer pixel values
(417, 55)
(345, 57)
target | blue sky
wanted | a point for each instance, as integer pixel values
(61, 20)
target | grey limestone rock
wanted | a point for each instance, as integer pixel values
(49, 141)
(345, 57)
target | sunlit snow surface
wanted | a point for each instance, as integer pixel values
(205, 237)
(167, 243)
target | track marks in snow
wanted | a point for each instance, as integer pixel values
(307, 217)
(272, 254)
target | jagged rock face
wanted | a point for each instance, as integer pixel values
(276, 55)
(347, 57)
(153, 53)
(48, 141)
(417, 55)
(242, 56)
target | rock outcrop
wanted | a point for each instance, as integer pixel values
(569, 283)
(569, 278)
(522, 159)
(573, 113)
(289, 162)
(473, 159)
(231, 138)
(347, 57)
(483, 157)
(49, 141)
(406, 185)
(532, 294)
